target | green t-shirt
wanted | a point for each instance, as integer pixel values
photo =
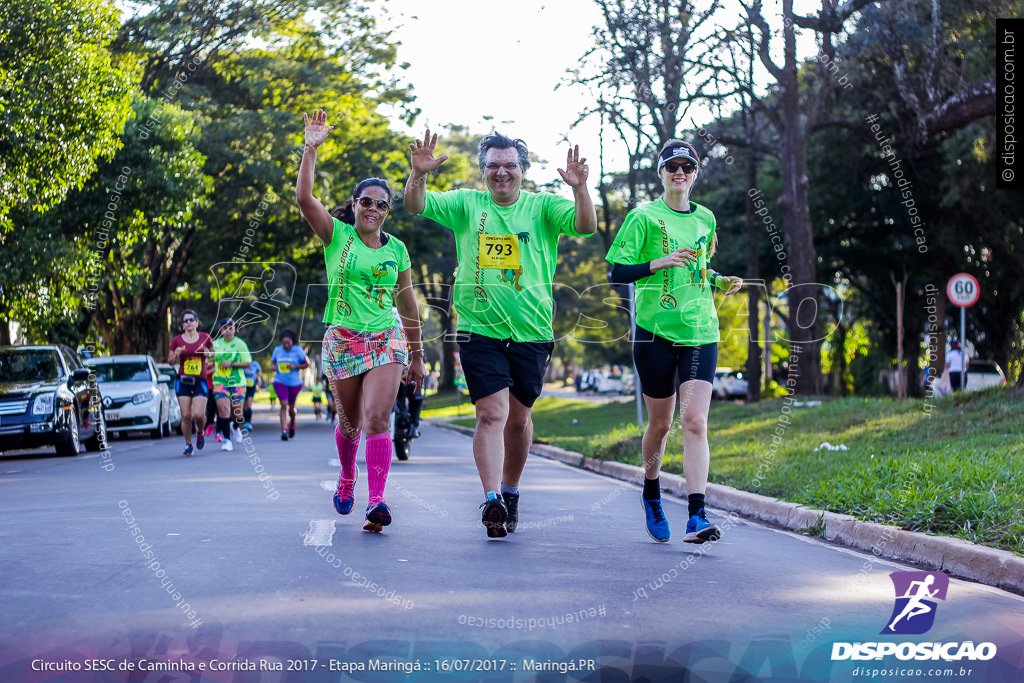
(234, 351)
(675, 303)
(361, 281)
(504, 290)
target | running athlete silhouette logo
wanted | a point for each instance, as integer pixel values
(253, 294)
(916, 592)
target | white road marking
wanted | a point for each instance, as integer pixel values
(321, 532)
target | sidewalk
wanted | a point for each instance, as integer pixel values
(954, 556)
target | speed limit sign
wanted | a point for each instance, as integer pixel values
(963, 290)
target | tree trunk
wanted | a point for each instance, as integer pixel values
(803, 261)
(135, 334)
(839, 360)
(901, 375)
(753, 293)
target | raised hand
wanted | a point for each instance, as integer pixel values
(576, 169)
(317, 129)
(423, 160)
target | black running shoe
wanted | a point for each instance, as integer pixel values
(512, 506)
(494, 517)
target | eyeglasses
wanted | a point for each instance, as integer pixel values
(188, 320)
(367, 202)
(687, 168)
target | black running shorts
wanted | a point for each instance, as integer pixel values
(188, 386)
(492, 364)
(663, 365)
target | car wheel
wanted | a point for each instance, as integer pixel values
(158, 433)
(98, 441)
(69, 448)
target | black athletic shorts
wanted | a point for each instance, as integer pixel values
(492, 364)
(250, 391)
(188, 386)
(663, 365)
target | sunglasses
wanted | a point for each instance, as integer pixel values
(188, 320)
(367, 202)
(673, 167)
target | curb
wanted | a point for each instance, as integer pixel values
(957, 557)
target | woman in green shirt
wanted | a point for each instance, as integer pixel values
(664, 247)
(365, 348)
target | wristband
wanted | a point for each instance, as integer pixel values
(713, 278)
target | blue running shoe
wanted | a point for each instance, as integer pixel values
(378, 515)
(657, 525)
(189, 450)
(700, 530)
(345, 496)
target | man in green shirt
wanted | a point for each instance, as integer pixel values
(507, 248)
(231, 357)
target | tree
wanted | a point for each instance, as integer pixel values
(794, 116)
(246, 74)
(63, 101)
(910, 195)
(137, 213)
(644, 80)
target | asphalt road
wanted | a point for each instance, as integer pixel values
(144, 558)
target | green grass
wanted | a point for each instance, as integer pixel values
(448, 404)
(956, 470)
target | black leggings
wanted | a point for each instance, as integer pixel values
(663, 365)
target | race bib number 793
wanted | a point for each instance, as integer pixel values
(499, 251)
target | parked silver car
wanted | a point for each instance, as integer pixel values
(172, 380)
(135, 394)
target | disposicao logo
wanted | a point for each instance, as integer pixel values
(916, 595)
(914, 614)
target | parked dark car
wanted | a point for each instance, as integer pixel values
(46, 399)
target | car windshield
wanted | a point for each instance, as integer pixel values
(983, 366)
(28, 365)
(121, 372)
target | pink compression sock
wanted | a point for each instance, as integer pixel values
(378, 462)
(347, 449)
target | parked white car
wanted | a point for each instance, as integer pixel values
(982, 374)
(135, 394)
(717, 384)
(735, 384)
(729, 383)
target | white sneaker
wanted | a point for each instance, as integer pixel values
(227, 445)
(236, 434)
